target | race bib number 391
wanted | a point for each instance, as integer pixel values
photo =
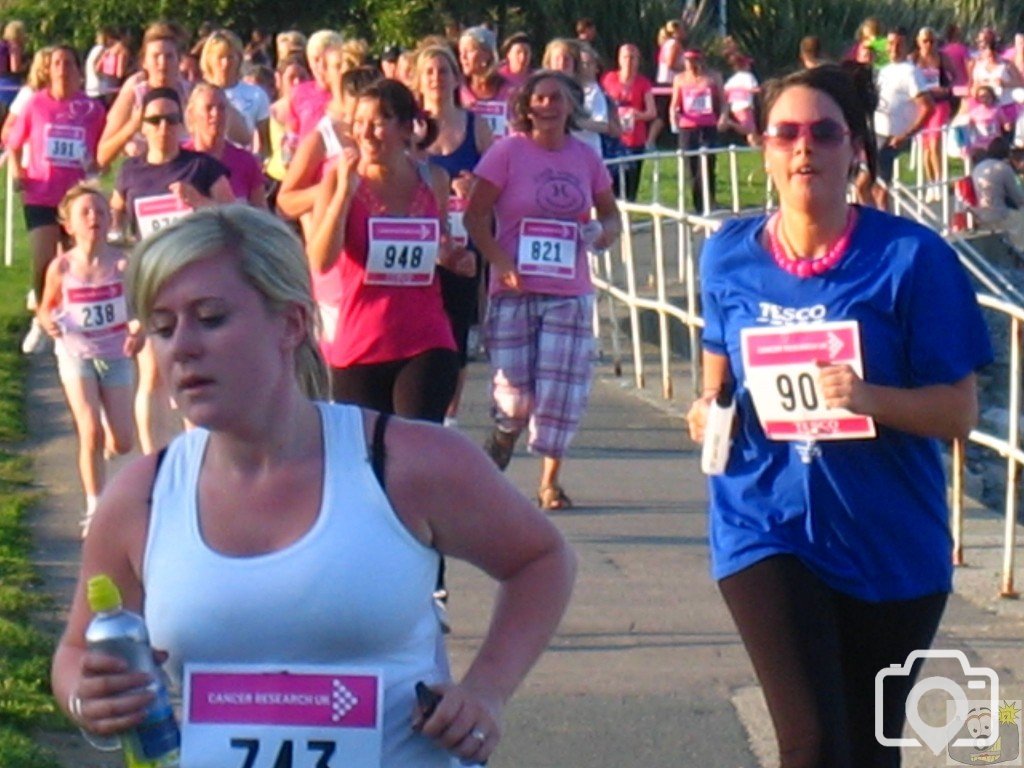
(65, 145)
(781, 367)
(305, 717)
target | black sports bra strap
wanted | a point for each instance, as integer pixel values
(377, 455)
(160, 456)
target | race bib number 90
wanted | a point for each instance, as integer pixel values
(302, 717)
(781, 368)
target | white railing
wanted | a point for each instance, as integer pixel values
(670, 291)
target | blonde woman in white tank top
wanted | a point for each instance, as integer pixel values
(286, 534)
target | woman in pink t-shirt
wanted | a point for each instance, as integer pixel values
(61, 126)
(538, 186)
(206, 118)
(986, 120)
(381, 222)
(633, 96)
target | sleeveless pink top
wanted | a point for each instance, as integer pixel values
(697, 106)
(93, 315)
(383, 323)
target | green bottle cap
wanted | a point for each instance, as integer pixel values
(103, 594)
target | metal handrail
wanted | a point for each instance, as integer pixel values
(617, 280)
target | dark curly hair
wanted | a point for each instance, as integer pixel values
(850, 85)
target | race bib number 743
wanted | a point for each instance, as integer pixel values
(299, 717)
(781, 368)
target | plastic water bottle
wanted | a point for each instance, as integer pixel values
(714, 454)
(154, 743)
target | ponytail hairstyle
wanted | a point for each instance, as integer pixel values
(398, 102)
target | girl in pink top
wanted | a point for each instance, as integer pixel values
(537, 188)
(697, 98)
(381, 220)
(83, 308)
(987, 120)
(62, 127)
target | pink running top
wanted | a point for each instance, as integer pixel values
(62, 135)
(382, 323)
(93, 315)
(306, 106)
(696, 106)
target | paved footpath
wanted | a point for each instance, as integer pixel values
(647, 669)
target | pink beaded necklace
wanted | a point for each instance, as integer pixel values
(803, 267)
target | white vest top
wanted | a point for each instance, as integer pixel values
(355, 590)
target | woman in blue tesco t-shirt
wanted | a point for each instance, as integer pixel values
(833, 555)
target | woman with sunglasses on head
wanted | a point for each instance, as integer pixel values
(380, 222)
(937, 72)
(160, 186)
(61, 127)
(848, 340)
(537, 188)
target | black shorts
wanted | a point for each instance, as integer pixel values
(39, 216)
(887, 157)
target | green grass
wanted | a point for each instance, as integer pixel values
(750, 176)
(26, 705)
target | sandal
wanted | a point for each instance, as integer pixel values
(553, 497)
(499, 446)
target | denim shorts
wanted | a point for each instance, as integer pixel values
(107, 371)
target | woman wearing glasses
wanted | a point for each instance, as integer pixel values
(164, 184)
(938, 78)
(850, 339)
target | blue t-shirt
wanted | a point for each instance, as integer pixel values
(869, 517)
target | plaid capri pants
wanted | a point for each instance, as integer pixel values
(540, 350)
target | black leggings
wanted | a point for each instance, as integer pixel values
(692, 139)
(419, 387)
(629, 173)
(816, 652)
